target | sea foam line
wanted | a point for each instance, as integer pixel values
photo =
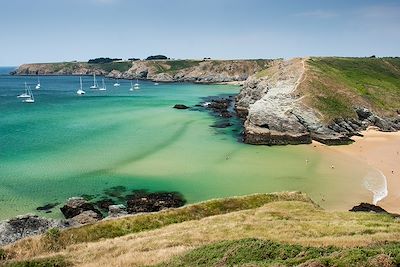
(377, 184)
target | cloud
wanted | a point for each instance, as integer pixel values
(317, 14)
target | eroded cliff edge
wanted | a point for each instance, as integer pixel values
(323, 99)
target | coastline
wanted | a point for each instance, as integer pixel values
(380, 150)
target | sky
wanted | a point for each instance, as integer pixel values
(65, 30)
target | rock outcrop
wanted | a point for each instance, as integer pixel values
(151, 202)
(77, 205)
(26, 225)
(275, 113)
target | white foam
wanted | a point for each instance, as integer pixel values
(375, 181)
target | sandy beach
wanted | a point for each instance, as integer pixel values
(380, 150)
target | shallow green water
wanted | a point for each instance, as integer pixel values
(66, 145)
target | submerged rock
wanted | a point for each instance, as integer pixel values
(47, 207)
(150, 202)
(103, 204)
(181, 106)
(26, 225)
(76, 206)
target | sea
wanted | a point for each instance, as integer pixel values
(66, 145)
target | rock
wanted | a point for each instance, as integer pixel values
(87, 216)
(26, 225)
(363, 113)
(76, 206)
(221, 124)
(180, 106)
(152, 202)
(117, 211)
(47, 207)
(103, 204)
(366, 207)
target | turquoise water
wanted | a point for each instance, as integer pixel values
(65, 145)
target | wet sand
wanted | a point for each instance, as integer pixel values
(380, 150)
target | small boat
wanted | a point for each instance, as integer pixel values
(26, 94)
(136, 86)
(38, 83)
(156, 83)
(103, 87)
(80, 91)
(30, 99)
(131, 89)
(116, 84)
(95, 85)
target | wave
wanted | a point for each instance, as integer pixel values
(375, 181)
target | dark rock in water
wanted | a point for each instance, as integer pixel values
(104, 203)
(77, 205)
(222, 124)
(47, 207)
(115, 191)
(181, 106)
(26, 225)
(142, 201)
(366, 207)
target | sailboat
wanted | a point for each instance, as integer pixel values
(103, 87)
(156, 83)
(80, 91)
(30, 99)
(38, 83)
(95, 85)
(26, 94)
(131, 89)
(116, 84)
(136, 85)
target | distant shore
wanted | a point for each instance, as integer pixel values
(380, 150)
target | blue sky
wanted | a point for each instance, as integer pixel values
(64, 30)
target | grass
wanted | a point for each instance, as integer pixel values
(121, 66)
(57, 261)
(336, 85)
(257, 252)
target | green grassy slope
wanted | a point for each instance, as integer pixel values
(335, 85)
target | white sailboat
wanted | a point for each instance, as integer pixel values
(38, 83)
(131, 89)
(30, 99)
(117, 84)
(136, 86)
(103, 87)
(95, 85)
(26, 93)
(80, 91)
(156, 83)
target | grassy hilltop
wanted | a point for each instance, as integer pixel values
(284, 229)
(335, 85)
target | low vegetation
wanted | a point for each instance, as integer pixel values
(256, 252)
(57, 261)
(335, 85)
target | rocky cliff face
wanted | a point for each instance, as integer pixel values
(207, 71)
(275, 113)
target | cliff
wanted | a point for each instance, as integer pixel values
(200, 71)
(323, 99)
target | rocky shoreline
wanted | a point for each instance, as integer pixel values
(80, 211)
